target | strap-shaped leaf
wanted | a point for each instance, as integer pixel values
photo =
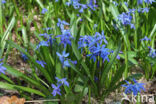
(15, 87)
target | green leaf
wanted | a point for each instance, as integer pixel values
(15, 87)
(45, 73)
(108, 67)
(40, 3)
(6, 35)
(78, 56)
(18, 74)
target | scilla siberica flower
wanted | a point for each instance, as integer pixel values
(60, 82)
(63, 58)
(146, 1)
(145, 39)
(24, 57)
(42, 43)
(44, 10)
(134, 88)
(77, 5)
(66, 36)
(152, 53)
(56, 89)
(2, 68)
(126, 19)
(3, 1)
(42, 63)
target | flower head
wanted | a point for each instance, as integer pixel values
(24, 56)
(2, 68)
(42, 63)
(135, 88)
(145, 39)
(44, 10)
(62, 81)
(3, 1)
(56, 89)
(42, 43)
(152, 52)
(62, 56)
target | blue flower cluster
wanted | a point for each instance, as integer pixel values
(95, 46)
(152, 52)
(126, 18)
(64, 60)
(134, 88)
(146, 1)
(77, 5)
(2, 68)
(66, 36)
(60, 82)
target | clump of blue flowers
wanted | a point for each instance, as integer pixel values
(81, 7)
(126, 19)
(146, 1)
(96, 46)
(66, 36)
(134, 88)
(152, 52)
(60, 82)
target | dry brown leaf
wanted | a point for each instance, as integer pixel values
(11, 100)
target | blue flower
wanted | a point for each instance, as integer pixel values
(44, 10)
(24, 57)
(2, 68)
(126, 4)
(145, 39)
(45, 35)
(132, 11)
(63, 56)
(3, 1)
(152, 52)
(99, 51)
(42, 43)
(139, 2)
(42, 63)
(56, 0)
(145, 10)
(115, 3)
(125, 18)
(149, 1)
(92, 4)
(95, 26)
(146, 1)
(48, 28)
(77, 5)
(56, 89)
(134, 88)
(62, 23)
(132, 26)
(65, 38)
(62, 81)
